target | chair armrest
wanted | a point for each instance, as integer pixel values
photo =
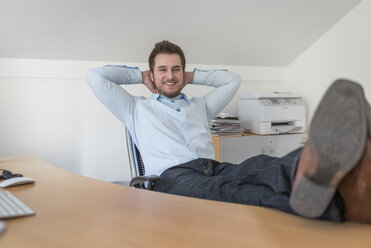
(139, 181)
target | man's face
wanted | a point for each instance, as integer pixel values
(168, 75)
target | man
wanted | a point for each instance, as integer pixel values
(330, 174)
(169, 128)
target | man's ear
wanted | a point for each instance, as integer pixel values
(151, 76)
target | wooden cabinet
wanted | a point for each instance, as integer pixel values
(235, 149)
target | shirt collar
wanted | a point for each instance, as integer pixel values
(178, 97)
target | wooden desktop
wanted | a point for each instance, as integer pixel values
(76, 211)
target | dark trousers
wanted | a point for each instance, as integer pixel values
(260, 181)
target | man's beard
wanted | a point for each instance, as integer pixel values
(167, 94)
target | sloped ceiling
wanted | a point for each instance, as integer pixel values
(228, 32)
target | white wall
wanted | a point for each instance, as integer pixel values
(48, 110)
(343, 52)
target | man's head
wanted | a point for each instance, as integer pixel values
(167, 66)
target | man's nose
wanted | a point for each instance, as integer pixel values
(170, 75)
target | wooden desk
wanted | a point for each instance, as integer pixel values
(75, 211)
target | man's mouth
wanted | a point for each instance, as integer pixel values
(170, 83)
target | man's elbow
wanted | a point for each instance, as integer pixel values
(93, 76)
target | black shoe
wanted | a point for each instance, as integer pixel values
(336, 139)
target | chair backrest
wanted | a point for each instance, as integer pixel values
(136, 162)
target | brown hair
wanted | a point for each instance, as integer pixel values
(165, 47)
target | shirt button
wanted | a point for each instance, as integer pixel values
(178, 109)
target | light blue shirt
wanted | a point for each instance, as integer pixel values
(167, 131)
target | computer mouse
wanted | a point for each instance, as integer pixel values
(16, 181)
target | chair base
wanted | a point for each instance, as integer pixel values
(140, 182)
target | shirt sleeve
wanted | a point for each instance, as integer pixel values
(226, 85)
(105, 83)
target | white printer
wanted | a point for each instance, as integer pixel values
(271, 113)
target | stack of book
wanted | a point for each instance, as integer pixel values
(226, 126)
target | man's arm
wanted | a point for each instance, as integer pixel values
(105, 83)
(226, 85)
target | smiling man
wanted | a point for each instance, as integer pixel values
(168, 128)
(328, 179)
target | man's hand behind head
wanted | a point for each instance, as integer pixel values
(146, 80)
(188, 77)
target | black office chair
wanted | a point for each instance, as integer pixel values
(137, 169)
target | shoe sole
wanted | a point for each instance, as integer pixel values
(336, 140)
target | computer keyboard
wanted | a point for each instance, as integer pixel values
(11, 206)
